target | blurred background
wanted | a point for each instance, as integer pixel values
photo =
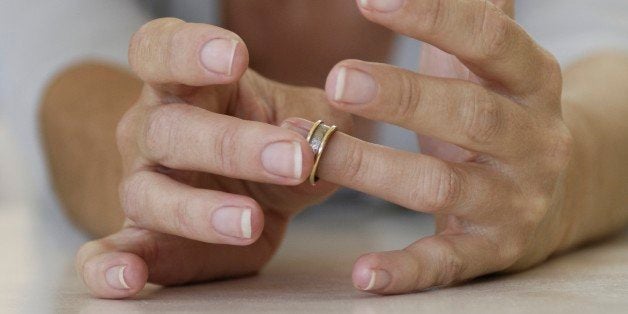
(38, 38)
(41, 38)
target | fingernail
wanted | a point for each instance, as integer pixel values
(217, 55)
(283, 159)
(115, 278)
(384, 6)
(379, 280)
(233, 222)
(355, 86)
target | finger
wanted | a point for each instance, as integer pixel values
(414, 181)
(170, 51)
(157, 202)
(483, 37)
(185, 137)
(430, 262)
(455, 111)
(436, 62)
(119, 265)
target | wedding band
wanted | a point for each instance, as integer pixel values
(317, 138)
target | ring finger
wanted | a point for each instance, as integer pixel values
(414, 181)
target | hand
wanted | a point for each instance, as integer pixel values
(499, 202)
(204, 164)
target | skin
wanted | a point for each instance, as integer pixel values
(521, 160)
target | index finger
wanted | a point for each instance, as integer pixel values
(170, 51)
(481, 35)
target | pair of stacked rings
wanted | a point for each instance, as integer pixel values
(318, 137)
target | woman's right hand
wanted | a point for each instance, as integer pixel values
(204, 164)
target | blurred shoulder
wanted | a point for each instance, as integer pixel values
(573, 29)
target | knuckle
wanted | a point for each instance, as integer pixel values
(415, 277)
(87, 268)
(132, 195)
(225, 150)
(409, 99)
(375, 260)
(161, 132)
(183, 221)
(550, 82)
(552, 66)
(559, 149)
(354, 168)
(150, 250)
(534, 212)
(563, 149)
(450, 265)
(439, 188)
(494, 34)
(511, 251)
(86, 251)
(433, 17)
(481, 117)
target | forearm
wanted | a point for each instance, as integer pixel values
(596, 111)
(78, 118)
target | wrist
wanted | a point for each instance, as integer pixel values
(578, 189)
(594, 109)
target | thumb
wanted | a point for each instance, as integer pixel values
(119, 265)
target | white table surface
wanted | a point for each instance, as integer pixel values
(311, 273)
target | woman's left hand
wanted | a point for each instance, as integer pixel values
(498, 196)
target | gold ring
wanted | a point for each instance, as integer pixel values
(317, 138)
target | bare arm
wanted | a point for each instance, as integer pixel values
(83, 104)
(78, 117)
(596, 111)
